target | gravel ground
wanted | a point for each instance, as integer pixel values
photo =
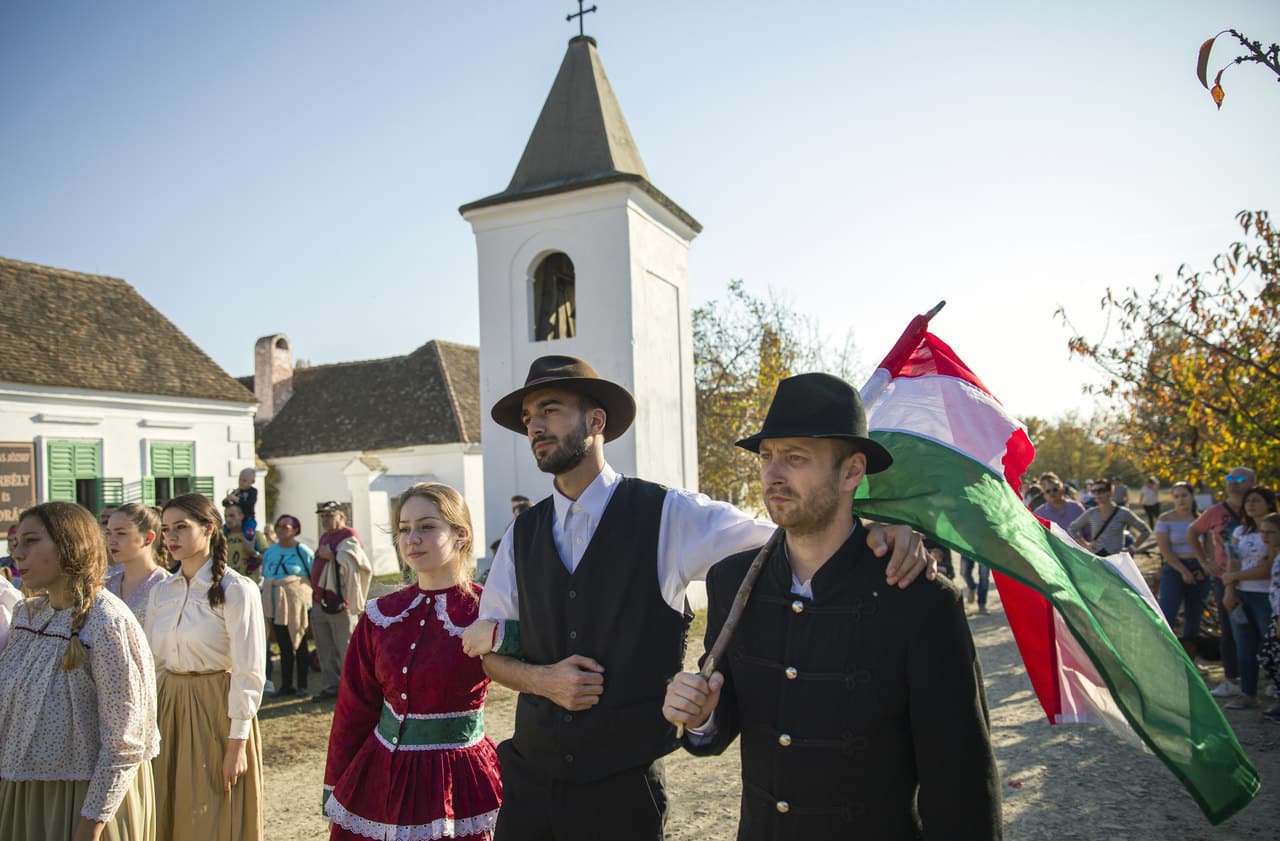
(1077, 784)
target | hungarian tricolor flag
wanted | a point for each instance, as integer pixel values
(1093, 640)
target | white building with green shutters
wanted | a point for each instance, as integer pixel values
(103, 400)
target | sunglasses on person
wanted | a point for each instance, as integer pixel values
(1054, 491)
(1237, 478)
(1097, 491)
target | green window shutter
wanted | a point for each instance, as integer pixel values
(161, 459)
(184, 459)
(61, 467)
(112, 491)
(148, 490)
(88, 459)
(203, 485)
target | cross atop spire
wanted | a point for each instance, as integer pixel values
(579, 15)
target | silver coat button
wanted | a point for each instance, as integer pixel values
(797, 606)
(783, 806)
(792, 673)
(784, 739)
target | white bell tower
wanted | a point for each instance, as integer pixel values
(581, 255)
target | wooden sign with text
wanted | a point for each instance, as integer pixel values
(17, 481)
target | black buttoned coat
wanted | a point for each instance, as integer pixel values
(862, 712)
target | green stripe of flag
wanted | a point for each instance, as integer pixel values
(964, 505)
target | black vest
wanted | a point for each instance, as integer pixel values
(611, 610)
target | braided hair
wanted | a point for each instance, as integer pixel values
(146, 518)
(200, 509)
(82, 555)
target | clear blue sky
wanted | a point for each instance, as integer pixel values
(297, 166)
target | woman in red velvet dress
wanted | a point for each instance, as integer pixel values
(408, 756)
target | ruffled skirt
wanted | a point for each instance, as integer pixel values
(417, 795)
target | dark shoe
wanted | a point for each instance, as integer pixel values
(324, 695)
(284, 692)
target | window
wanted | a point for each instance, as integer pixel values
(173, 465)
(75, 474)
(554, 308)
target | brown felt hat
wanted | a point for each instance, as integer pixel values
(570, 374)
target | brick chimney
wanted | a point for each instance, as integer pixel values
(272, 375)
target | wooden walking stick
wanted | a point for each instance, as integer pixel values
(735, 612)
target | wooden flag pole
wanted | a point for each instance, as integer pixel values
(735, 612)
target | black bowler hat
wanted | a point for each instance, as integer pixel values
(570, 374)
(819, 406)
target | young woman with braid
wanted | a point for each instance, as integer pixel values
(206, 630)
(77, 693)
(135, 545)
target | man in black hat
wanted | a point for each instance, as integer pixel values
(860, 707)
(596, 575)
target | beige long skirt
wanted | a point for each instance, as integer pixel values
(49, 810)
(191, 801)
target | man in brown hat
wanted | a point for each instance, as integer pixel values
(860, 707)
(596, 575)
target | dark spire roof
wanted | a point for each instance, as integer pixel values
(580, 140)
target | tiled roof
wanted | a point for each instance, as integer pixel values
(72, 330)
(430, 396)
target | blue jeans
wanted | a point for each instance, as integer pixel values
(1249, 635)
(1176, 593)
(1230, 667)
(984, 578)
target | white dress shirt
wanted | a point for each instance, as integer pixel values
(187, 635)
(695, 532)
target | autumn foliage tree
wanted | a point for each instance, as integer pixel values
(1196, 362)
(742, 346)
(1079, 449)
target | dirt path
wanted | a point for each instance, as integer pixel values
(1077, 784)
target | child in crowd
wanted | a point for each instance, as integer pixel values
(246, 496)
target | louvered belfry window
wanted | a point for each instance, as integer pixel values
(554, 307)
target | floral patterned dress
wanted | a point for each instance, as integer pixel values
(408, 756)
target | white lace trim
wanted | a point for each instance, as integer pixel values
(378, 618)
(436, 746)
(439, 828)
(442, 613)
(427, 716)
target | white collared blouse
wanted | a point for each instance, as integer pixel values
(188, 636)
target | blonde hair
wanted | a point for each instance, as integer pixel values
(82, 555)
(454, 510)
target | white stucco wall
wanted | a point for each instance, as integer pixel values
(633, 326)
(126, 425)
(304, 481)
